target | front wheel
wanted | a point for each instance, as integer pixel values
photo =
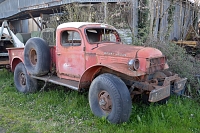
(23, 82)
(109, 97)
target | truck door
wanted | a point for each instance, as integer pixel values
(70, 54)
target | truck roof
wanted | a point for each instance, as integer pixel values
(77, 24)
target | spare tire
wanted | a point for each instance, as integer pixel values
(37, 56)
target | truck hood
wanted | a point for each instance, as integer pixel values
(128, 51)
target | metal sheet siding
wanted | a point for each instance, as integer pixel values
(11, 7)
(25, 28)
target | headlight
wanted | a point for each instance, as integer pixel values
(134, 64)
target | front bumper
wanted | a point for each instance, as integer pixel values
(162, 92)
(159, 93)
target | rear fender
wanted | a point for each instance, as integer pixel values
(14, 63)
(93, 71)
(16, 55)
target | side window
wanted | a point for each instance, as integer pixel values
(70, 38)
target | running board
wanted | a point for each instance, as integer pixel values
(56, 80)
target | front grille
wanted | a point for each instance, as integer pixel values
(155, 64)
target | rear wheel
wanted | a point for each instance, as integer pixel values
(23, 82)
(109, 97)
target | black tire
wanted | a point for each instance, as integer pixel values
(23, 82)
(37, 56)
(115, 90)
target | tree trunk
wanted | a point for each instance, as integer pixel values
(155, 19)
(180, 20)
(151, 8)
(160, 19)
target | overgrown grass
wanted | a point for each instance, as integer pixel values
(58, 111)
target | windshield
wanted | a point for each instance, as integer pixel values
(99, 35)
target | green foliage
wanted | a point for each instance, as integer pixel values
(142, 38)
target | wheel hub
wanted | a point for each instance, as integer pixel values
(33, 56)
(22, 79)
(105, 101)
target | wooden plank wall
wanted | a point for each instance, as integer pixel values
(183, 18)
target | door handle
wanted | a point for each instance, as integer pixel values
(58, 53)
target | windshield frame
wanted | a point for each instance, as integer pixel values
(98, 30)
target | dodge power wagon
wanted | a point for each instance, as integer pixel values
(91, 57)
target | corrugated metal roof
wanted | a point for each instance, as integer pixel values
(19, 9)
(2, 1)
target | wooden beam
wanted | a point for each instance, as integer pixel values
(6, 62)
(35, 21)
(186, 43)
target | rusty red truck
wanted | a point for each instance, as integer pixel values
(91, 56)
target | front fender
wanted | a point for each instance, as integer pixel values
(91, 72)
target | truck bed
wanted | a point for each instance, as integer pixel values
(56, 80)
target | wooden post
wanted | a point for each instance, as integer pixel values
(160, 20)
(180, 21)
(135, 17)
(35, 20)
(151, 17)
(105, 12)
(155, 19)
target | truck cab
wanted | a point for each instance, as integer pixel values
(79, 42)
(90, 56)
